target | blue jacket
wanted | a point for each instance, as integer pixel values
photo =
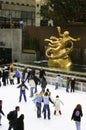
(17, 73)
(37, 99)
(46, 100)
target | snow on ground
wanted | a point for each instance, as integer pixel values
(10, 96)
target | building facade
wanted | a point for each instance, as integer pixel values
(12, 12)
(27, 12)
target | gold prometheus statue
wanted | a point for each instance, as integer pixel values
(59, 49)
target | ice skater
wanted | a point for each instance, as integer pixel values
(22, 87)
(67, 84)
(43, 84)
(72, 84)
(32, 86)
(19, 124)
(38, 101)
(12, 117)
(1, 112)
(46, 107)
(58, 81)
(76, 116)
(57, 103)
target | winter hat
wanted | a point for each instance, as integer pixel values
(57, 96)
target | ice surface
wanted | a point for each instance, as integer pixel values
(10, 96)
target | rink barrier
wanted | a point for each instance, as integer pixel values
(81, 86)
(50, 76)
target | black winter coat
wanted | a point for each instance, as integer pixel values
(1, 110)
(19, 124)
(75, 117)
(43, 83)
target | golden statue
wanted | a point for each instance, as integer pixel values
(59, 49)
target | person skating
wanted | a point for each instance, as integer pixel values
(11, 77)
(32, 86)
(12, 117)
(72, 83)
(22, 87)
(1, 111)
(37, 81)
(38, 101)
(76, 116)
(43, 84)
(19, 124)
(42, 73)
(67, 84)
(17, 75)
(0, 76)
(46, 107)
(57, 103)
(58, 81)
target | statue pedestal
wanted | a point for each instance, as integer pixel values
(60, 63)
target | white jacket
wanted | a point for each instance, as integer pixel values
(11, 75)
(32, 83)
(57, 103)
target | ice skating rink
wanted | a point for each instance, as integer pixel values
(10, 96)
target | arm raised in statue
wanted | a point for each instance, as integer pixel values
(59, 31)
(75, 39)
(66, 35)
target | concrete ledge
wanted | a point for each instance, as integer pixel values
(29, 51)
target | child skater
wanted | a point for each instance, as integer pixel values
(76, 116)
(57, 103)
(23, 88)
(1, 111)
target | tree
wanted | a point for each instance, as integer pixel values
(61, 11)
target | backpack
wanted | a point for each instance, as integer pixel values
(10, 115)
(77, 113)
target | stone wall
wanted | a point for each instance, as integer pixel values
(12, 38)
(20, 1)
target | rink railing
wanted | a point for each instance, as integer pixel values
(50, 76)
(81, 86)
